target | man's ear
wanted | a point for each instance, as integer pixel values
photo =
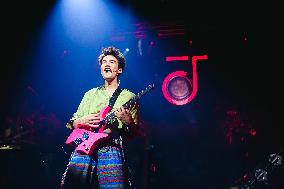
(119, 71)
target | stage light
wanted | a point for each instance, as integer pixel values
(126, 51)
(262, 175)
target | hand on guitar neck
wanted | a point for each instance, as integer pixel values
(123, 115)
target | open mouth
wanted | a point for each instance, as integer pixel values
(107, 70)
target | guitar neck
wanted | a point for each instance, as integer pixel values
(109, 118)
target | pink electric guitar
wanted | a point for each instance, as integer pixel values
(85, 141)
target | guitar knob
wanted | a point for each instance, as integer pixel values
(84, 145)
(87, 149)
(78, 141)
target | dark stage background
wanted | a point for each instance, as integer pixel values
(229, 129)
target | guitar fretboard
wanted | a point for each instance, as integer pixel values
(109, 118)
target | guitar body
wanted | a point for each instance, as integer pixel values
(85, 140)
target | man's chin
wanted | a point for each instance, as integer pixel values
(108, 78)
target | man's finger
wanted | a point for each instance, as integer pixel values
(93, 121)
(94, 125)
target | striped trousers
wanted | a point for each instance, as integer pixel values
(105, 170)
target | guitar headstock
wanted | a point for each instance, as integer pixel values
(150, 87)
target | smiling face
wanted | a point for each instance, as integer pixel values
(109, 68)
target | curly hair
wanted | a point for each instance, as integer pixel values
(114, 52)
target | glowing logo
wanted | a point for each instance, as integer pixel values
(177, 87)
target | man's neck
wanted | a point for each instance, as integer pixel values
(111, 85)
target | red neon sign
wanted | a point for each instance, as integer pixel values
(182, 74)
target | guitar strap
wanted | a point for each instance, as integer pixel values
(114, 97)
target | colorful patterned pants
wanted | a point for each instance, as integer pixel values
(105, 171)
